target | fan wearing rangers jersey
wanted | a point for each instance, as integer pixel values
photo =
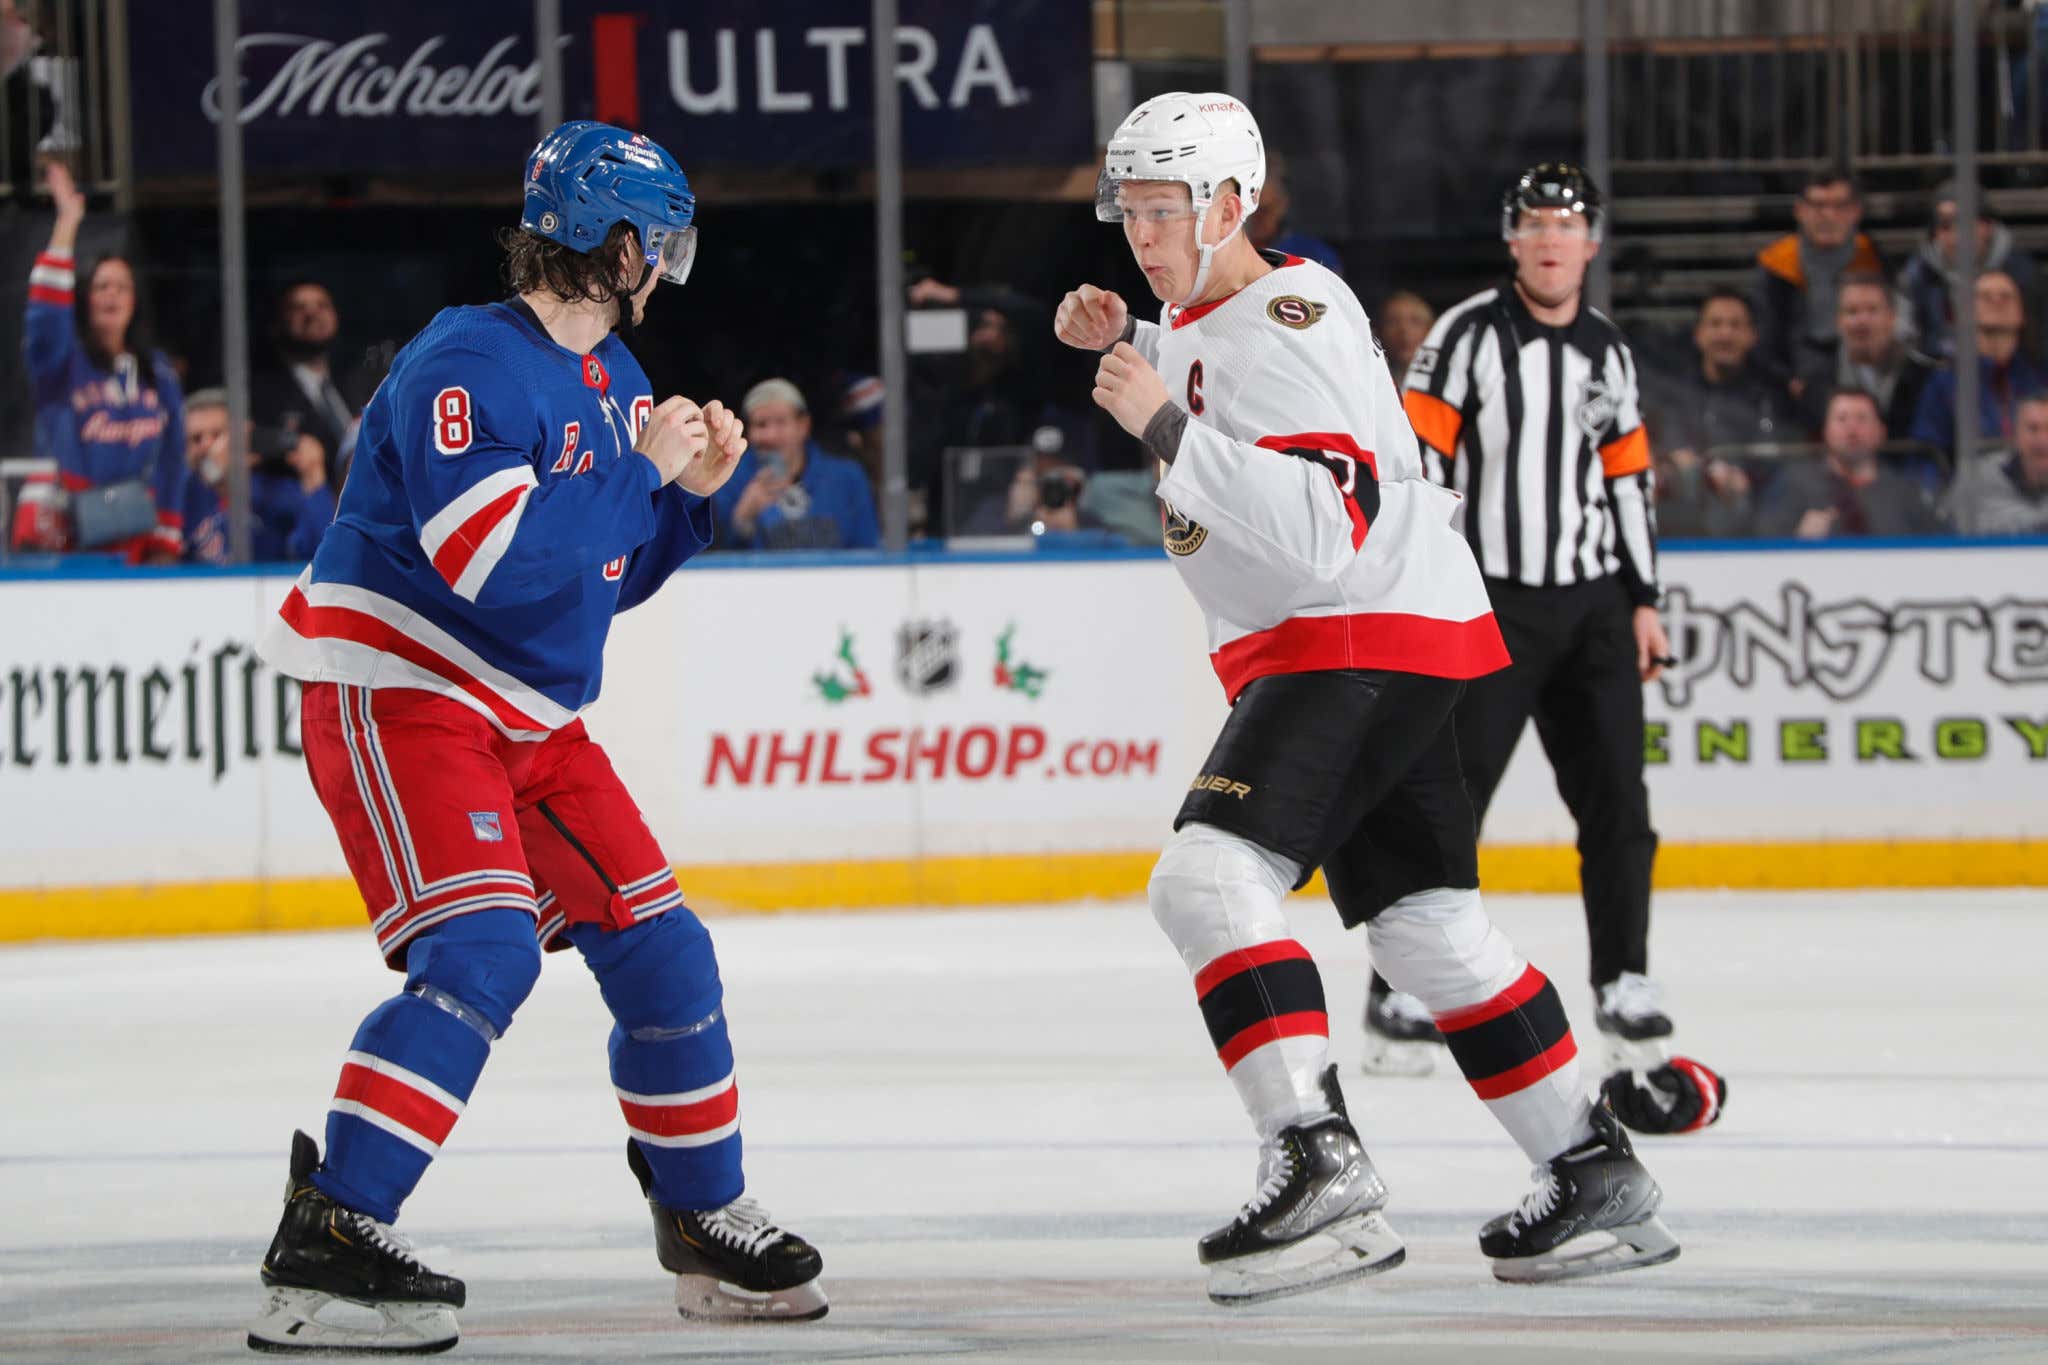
(1345, 615)
(515, 486)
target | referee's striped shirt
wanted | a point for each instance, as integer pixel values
(1540, 428)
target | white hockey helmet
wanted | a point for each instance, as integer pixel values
(1198, 140)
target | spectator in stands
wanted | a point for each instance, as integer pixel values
(1724, 398)
(2007, 495)
(108, 408)
(1797, 275)
(299, 390)
(786, 492)
(1870, 356)
(26, 106)
(986, 396)
(290, 501)
(2004, 373)
(1405, 320)
(1268, 227)
(1928, 279)
(1846, 491)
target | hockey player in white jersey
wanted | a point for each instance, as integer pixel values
(1344, 615)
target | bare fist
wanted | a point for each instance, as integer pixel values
(1128, 388)
(1091, 319)
(674, 436)
(64, 193)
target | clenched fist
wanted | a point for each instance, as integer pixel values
(679, 440)
(1091, 319)
(1128, 388)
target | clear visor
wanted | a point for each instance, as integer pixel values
(1130, 202)
(672, 251)
(1557, 223)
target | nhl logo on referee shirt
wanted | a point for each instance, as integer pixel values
(1292, 310)
(1596, 410)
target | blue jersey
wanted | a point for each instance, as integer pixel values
(496, 517)
(102, 426)
(830, 507)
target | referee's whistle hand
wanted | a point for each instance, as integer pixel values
(1653, 647)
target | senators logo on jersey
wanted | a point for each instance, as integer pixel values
(1292, 310)
(1183, 537)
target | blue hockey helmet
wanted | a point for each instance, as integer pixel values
(585, 176)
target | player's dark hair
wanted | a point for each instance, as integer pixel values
(140, 340)
(533, 264)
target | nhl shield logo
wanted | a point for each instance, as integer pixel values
(1596, 410)
(1292, 310)
(927, 656)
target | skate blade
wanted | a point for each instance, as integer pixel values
(1397, 1057)
(1645, 1055)
(706, 1298)
(295, 1320)
(1348, 1249)
(1634, 1245)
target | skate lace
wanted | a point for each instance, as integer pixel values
(1408, 1009)
(385, 1238)
(742, 1225)
(1633, 996)
(1276, 1168)
(1537, 1204)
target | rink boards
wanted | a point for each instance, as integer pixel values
(838, 732)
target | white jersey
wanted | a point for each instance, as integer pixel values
(1297, 510)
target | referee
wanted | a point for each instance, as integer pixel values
(1525, 402)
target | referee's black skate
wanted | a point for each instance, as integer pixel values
(1634, 1028)
(732, 1264)
(1315, 1220)
(1400, 1037)
(342, 1283)
(1593, 1212)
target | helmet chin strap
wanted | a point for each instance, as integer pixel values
(624, 326)
(1206, 255)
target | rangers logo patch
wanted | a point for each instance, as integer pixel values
(1183, 537)
(1292, 310)
(484, 825)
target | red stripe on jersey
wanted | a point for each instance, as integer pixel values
(1338, 443)
(680, 1120)
(43, 293)
(461, 547)
(1528, 1073)
(346, 623)
(1394, 640)
(1306, 1024)
(1244, 959)
(55, 260)
(1523, 990)
(397, 1101)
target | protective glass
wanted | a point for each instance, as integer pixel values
(672, 251)
(1159, 202)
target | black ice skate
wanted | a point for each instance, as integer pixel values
(343, 1283)
(1632, 1023)
(1598, 1192)
(1400, 1037)
(1314, 1222)
(732, 1264)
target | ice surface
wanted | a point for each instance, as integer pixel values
(1005, 1130)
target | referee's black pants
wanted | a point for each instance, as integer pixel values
(1574, 670)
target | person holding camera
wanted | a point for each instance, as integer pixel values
(108, 407)
(787, 492)
(290, 500)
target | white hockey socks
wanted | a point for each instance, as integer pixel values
(1218, 898)
(1500, 1017)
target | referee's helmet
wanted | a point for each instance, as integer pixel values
(1552, 185)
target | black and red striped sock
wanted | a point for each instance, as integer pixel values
(1267, 1018)
(1517, 1051)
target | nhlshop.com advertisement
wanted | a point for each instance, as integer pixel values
(812, 714)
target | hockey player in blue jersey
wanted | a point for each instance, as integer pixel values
(514, 487)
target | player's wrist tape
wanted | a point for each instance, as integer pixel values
(1163, 432)
(1130, 331)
